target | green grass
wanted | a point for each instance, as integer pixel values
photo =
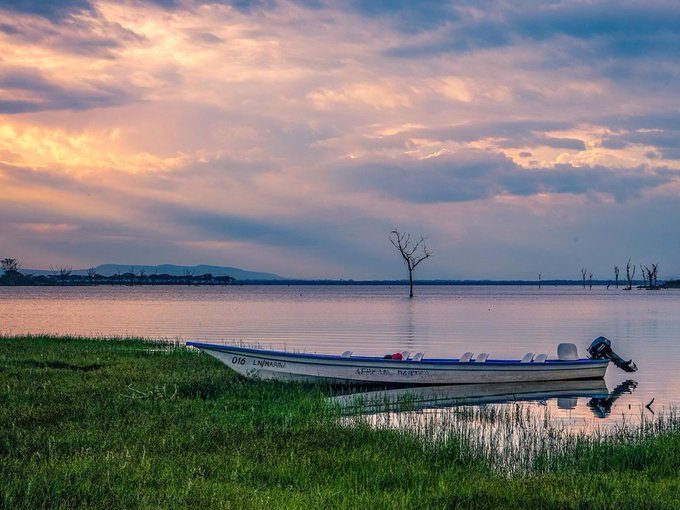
(132, 424)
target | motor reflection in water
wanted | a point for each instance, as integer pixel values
(602, 406)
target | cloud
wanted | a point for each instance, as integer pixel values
(476, 175)
(629, 43)
(293, 135)
(33, 92)
(54, 10)
(242, 228)
(660, 138)
(406, 15)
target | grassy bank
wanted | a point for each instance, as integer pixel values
(113, 424)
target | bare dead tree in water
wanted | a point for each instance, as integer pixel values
(650, 276)
(590, 280)
(188, 275)
(645, 271)
(10, 265)
(91, 273)
(584, 272)
(655, 274)
(11, 270)
(413, 253)
(539, 280)
(61, 273)
(630, 274)
(616, 275)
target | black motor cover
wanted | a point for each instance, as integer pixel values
(601, 348)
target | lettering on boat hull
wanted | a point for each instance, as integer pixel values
(265, 363)
(412, 373)
(373, 371)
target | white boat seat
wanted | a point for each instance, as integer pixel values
(567, 352)
(465, 358)
(540, 358)
(405, 355)
(527, 357)
(347, 354)
(567, 402)
(418, 356)
(481, 358)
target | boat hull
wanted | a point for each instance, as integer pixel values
(284, 366)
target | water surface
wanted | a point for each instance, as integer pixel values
(441, 321)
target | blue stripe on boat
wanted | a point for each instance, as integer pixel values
(440, 361)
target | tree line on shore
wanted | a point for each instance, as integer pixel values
(63, 275)
(413, 252)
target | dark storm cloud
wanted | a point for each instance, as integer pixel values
(475, 175)
(92, 36)
(9, 29)
(43, 94)
(507, 134)
(662, 139)
(472, 131)
(57, 10)
(658, 130)
(241, 5)
(668, 119)
(224, 226)
(54, 10)
(405, 14)
(611, 29)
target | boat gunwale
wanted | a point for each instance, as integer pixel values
(436, 361)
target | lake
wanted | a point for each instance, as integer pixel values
(441, 321)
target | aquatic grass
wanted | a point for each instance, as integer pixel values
(513, 438)
(127, 423)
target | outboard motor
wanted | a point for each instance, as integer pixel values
(601, 348)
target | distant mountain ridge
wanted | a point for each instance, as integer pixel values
(171, 269)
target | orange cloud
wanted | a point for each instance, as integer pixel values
(79, 152)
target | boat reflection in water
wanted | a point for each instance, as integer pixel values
(510, 426)
(565, 394)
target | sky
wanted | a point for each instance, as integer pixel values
(519, 137)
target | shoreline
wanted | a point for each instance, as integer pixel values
(103, 423)
(386, 283)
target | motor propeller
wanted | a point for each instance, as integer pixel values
(601, 348)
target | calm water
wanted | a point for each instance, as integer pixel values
(442, 321)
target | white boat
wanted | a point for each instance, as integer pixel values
(412, 368)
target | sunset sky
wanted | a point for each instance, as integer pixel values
(520, 137)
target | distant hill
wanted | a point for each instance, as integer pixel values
(112, 269)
